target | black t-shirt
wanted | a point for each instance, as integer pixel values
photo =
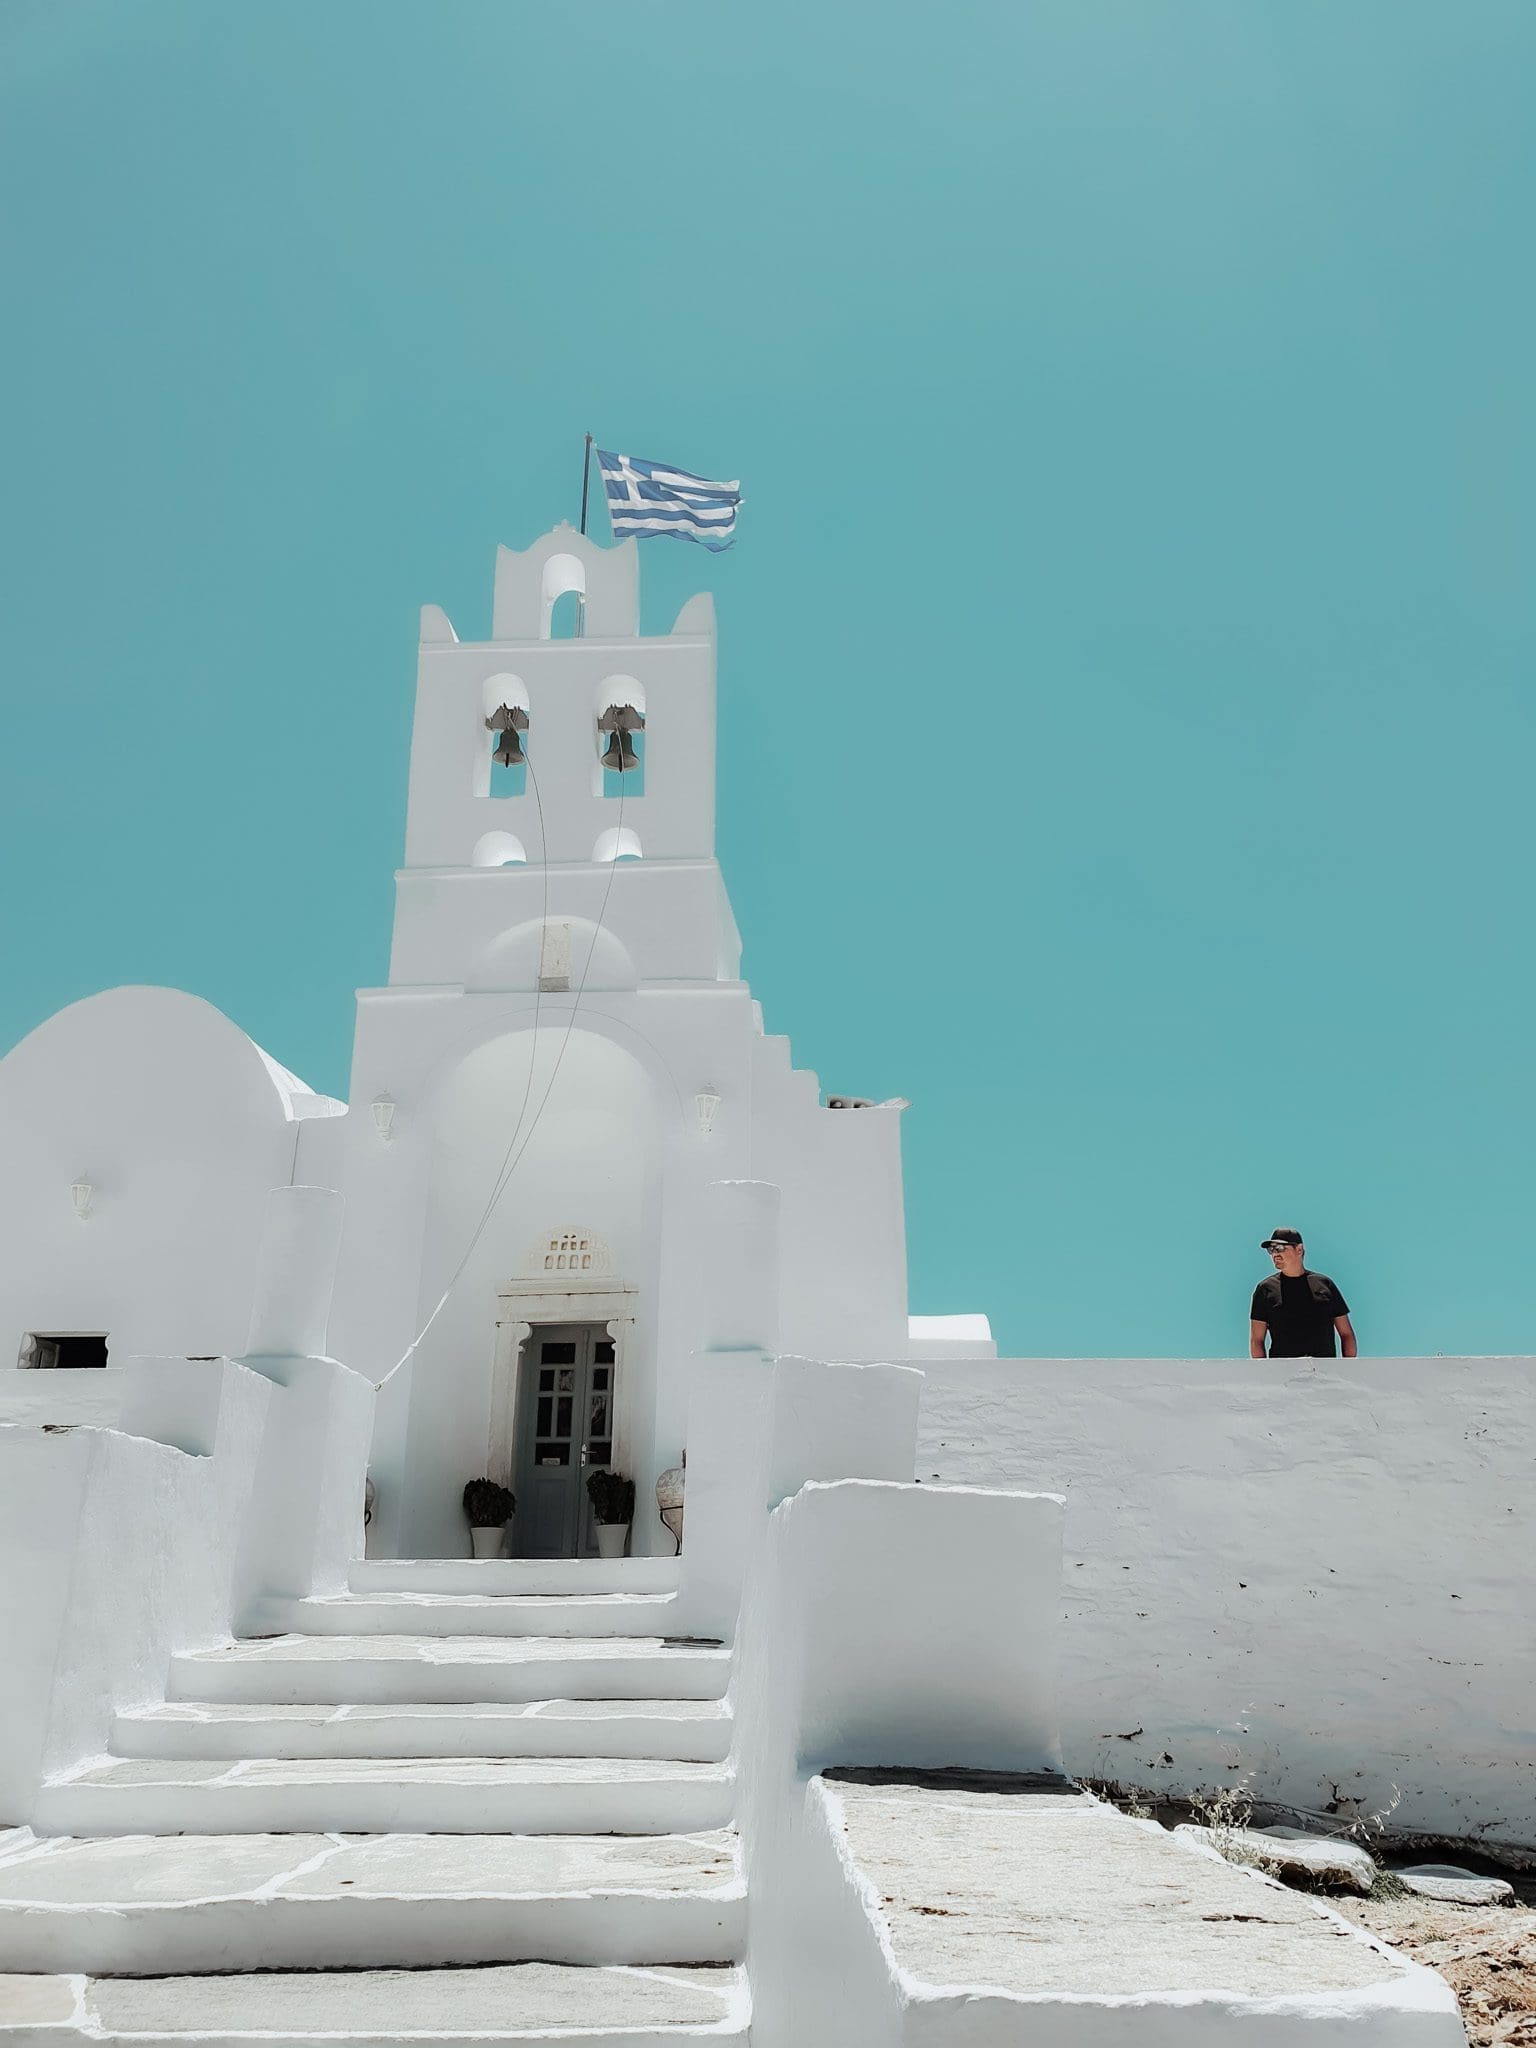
(1299, 1313)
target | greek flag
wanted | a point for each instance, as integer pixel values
(646, 498)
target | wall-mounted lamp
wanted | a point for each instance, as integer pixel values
(81, 1193)
(706, 1102)
(384, 1107)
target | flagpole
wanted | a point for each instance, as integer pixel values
(586, 478)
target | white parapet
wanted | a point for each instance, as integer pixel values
(912, 1625)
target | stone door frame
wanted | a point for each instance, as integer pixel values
(521, 1306)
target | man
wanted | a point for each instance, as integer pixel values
(1297, 1310)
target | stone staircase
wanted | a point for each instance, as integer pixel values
(485, 1801)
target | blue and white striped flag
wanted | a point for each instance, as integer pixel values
(646, 498)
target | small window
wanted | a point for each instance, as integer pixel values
(62, 1351)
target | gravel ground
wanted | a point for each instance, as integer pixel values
(1486, 1953)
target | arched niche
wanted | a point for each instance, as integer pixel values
(498, 850)
(619, 842)
(566, 1127)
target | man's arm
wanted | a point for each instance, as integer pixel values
(1258, 1331)
(1347, 1335)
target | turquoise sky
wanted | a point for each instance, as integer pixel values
(1127, 663)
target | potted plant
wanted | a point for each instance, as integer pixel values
(613, 1509)
(488, 1507)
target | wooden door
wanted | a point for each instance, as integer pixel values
(564, 1429)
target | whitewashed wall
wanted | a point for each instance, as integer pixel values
(118, 1551)
(1317, 1573)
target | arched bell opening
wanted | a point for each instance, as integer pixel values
(504, 699)
(620, 737)
(562, 599)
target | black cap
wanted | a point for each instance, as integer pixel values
(1279, 1237)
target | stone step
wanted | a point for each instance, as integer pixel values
(363, 1796)
(1016, 1909)
(528, 1577)
(163, 1905)
(683, 1731)
(471, 1614)
(370, 1670)
(601, 2007)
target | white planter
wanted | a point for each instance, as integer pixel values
(611, 1538)
(487, 1542)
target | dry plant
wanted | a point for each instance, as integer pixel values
(1369, 1829)
(1228, 1814)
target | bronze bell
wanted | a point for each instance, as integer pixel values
(509, 720)
(619, 754)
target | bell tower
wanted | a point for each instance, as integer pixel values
(565, 1043)
(563, 744)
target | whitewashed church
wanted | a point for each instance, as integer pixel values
(788, 1767)
(564, 1041)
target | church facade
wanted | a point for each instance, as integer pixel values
(563, 1059)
